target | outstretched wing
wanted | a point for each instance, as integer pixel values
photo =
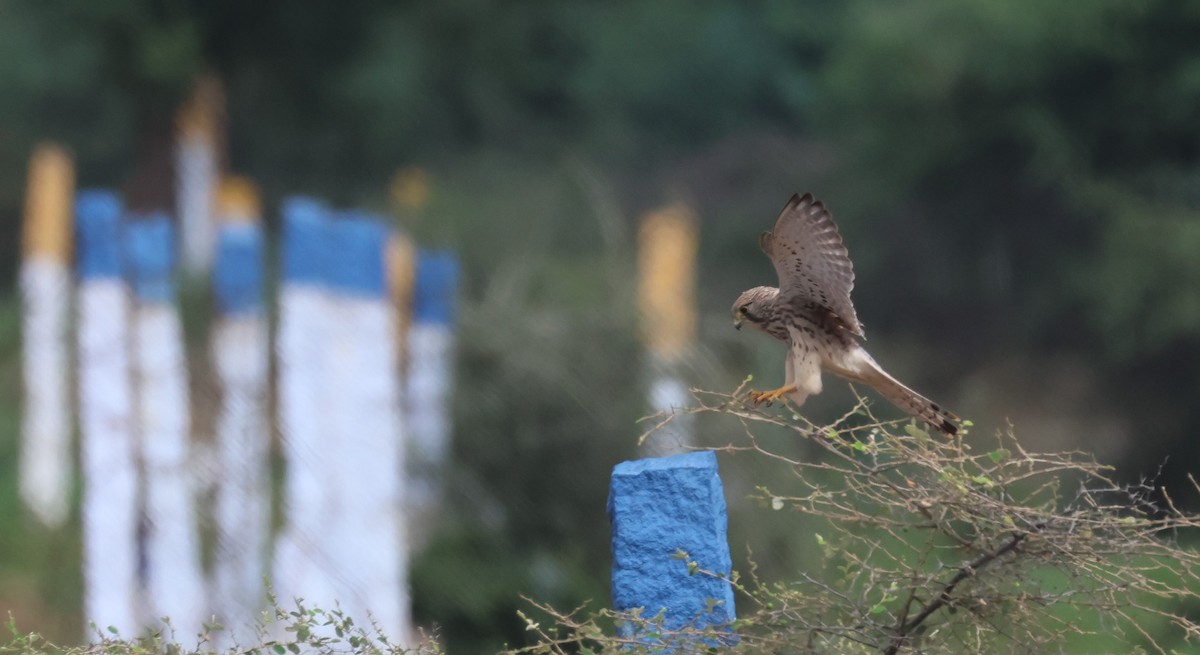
(811, 260)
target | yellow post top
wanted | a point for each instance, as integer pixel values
(200, 116)
(49, 191)
(409, 189)
(667, 246)
(237, 200)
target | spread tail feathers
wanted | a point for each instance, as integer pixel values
(910, 401)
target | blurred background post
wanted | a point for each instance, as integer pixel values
(430, 383)
(172, 578)
(46, 462)
(305, 564)
(367, 437)
(198, 173)
(241, 358)
(109, 512)
(668, 241)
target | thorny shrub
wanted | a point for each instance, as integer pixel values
(937, 545)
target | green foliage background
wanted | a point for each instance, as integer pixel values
(1017, 180)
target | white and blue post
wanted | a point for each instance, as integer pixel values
(305, 566)
(662, 508)
(109, 513)
(367, 442)
(173, 582)
(430, 375)
(239, 352)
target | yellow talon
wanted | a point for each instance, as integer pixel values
(768, 397)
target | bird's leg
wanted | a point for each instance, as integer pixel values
(789, 386)
(768, 397)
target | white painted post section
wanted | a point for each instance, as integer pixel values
(366, 445)
(46, 297)
(107, 449)
(668, 394)
(174, 585)
(239, 352)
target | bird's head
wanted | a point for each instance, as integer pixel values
(755, 307)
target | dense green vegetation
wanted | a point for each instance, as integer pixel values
(1018, 182)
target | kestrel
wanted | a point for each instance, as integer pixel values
(811, 312)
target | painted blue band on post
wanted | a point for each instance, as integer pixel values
(355, 265)
(237, 271)
(150, 256)
(435, 287)
(305, 235)
(658, 507)
(98, 226)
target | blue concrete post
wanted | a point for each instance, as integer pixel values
(237, 274)
(97, 226)
(436, 287)
(658, 507)
(150, 255)
(354, 265)
(305, 232)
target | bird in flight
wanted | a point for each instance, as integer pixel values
(812, 313)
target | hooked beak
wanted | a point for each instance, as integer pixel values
(737, 322)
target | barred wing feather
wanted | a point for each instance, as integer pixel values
(812, 262)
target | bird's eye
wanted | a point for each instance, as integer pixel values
(743, 311)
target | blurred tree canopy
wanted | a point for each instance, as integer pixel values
(1051, 152)
(1028, 137)
(1031, 171)
(1044, 138)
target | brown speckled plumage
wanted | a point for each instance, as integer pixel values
(812, 312)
